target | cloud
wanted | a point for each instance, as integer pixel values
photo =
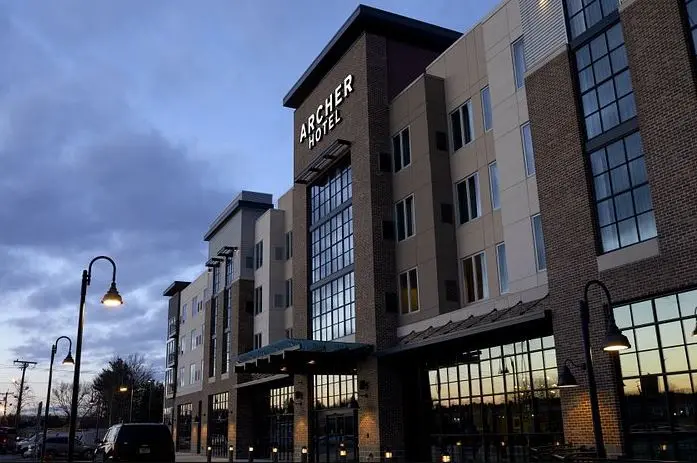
(84, 174)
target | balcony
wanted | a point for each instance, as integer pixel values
(171, 359)
(172, 330)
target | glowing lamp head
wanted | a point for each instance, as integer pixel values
(112, 298)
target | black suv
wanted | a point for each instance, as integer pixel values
(136, 442)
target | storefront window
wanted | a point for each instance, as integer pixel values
(659, 375)
(332, 391)
(500, 393)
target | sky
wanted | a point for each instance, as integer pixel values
(125, 128)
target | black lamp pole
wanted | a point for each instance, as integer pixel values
(68, 360)
(111, 298)
(592, 387)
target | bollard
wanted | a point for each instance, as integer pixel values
(209, 454)
(230, 454)
(303, 455)
(274, 454)
(342, 453)
(251, 454)
(445, 457)
(388, 455)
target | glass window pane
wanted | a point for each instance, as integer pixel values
(623, 84)
(606, 212)
(671, 334)
(629, 364)
(688, 303)
(601, 69)
(675, 359)
(598, 162)
(649, 362)
(598, 47)
(623, 206)
(637, 171)
(623, 316)
(628, 232)
(666, 307)
(647, 226)
(609, 238)
(593, 126)
(583, 57)
(627, 107)
(618, 59)
(586, 79)
(590, 102)
(634, 146)
(606, 93)
(609, 116)
(602, 186)
(620, 180)
(642, 199)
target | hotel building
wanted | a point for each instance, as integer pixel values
(455, 196)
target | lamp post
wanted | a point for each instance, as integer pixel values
(614, 341)
(112, 298)
(68, 360)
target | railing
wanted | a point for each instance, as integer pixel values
(172, 331)
(171, 359)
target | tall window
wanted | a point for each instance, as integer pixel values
(538, 238)
(228, 271)
(182, 316)
(182, 378)
(462, 125)
(584, 14)
(332, 296)
(212, 354)
(214, 317)
(659, 373)
(258, 255)
(227, 309)
(216, 280)
(405, 218)
(606, 88)
(691, 6)
(623, 199)
(409, 291)
(192, 373)
(225, 361)
(528, 151)
(486, 108)
(476, 280)
(289, 292)
(289, 245)
(494, 186)
(519, 66)
(502, 267)
(194, 345)
(468, 203)
(509, 389)
(258, 300)
(401, 150)
(194, 306)
(257, 341)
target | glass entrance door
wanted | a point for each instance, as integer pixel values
(334, 428)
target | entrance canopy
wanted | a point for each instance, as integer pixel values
(303, 356)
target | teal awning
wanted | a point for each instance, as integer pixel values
(303, 356)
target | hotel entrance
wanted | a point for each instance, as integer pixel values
(336, 429)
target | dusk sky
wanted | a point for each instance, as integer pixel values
(125, 127)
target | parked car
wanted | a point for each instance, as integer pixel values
(57, 446)
(23, 445)
(136, 442)
(8, 439)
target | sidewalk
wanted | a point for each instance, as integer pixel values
(186, 457)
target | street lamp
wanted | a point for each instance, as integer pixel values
(111, 298)
(614, 341)
(68, 360)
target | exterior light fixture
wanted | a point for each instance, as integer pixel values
(303, 450)
(694, 332)
(566, 377)
(614, 339)
(123, 389)
(112, 298)
(388, 454)
(251, 448)
(209, 448)
(274, 449)
(68, 360)
(445, 458)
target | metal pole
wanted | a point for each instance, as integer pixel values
(130, 411)
(54, 348)
(592, 388)
(99, 410)
(76, 374)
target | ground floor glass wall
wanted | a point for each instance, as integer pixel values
(218, 409)
(335, 417)
(184, 413)
(659, 375)
(281, 421)
(498, 403)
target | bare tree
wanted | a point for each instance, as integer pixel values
(28, 398)
(62, 396)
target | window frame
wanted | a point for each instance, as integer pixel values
(519, 76)
(470, 218)
(487, 122)
(535, 243)
(288, 238)
(410, 309)
(499, 246)
(485, 276)
(494, 190)
(528, 157)
(402, 164)
(258, 254)
(404, 201)
(258, 300)
(470, 126)
(289, 292)
(258, 341)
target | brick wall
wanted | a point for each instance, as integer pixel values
(666, 97)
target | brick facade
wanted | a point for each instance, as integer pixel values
(666, 96)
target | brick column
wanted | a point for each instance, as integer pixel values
(567, 220)
(302, 415)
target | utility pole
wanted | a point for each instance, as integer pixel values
(4, 407)
(24, 364)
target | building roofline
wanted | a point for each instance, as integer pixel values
(367, 19)
(238, 203)
(176, 287)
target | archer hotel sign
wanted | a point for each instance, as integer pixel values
(327, 115)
